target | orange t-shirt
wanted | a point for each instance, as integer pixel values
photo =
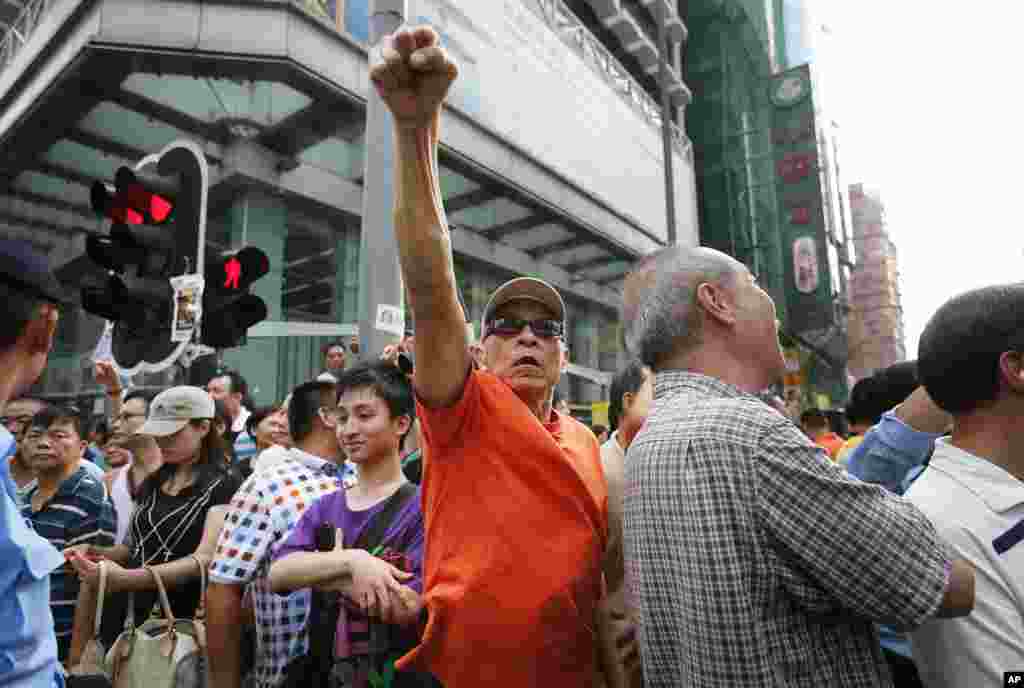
(516, 519)
(831, 443)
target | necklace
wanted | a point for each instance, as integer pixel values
(151, 532)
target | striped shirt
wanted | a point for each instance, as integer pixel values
(78, 514)
(244, 444)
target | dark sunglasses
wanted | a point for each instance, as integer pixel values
(510, 327)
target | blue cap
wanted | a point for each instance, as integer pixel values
(25, 269)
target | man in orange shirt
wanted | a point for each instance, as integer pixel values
(514, 496)
(815, 425)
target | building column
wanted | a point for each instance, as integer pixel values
(260, 220)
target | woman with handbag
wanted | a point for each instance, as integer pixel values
(376, 562)
(176, 521)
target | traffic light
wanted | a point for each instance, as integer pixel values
(157, 213)
(228, 307)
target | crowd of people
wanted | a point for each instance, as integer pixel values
(449, 524)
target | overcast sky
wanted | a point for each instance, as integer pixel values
(928, 96)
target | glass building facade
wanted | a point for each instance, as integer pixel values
(276, 98)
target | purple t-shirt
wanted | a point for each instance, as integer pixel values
(403, 539)
(404, 535)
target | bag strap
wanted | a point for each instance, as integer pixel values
(201, 612)
(374, 531)
(101, 592)
(162, 591)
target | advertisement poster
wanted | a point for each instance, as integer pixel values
(808, 281)
(188, 304)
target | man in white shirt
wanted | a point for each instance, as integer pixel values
(630, 398)
(231, 388)
(971, 362)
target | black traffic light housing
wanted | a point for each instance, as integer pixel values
(158, 225)
(229, 309)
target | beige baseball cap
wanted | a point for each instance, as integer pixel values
(173, 408)
(523, 288)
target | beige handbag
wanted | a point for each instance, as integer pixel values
(92, 662)
(161, 653)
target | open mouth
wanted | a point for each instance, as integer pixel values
(527, 360)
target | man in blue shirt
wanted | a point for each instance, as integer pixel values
(896, 447)
(68, 506)
(28, 646)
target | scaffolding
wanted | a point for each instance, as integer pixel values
(730, 122)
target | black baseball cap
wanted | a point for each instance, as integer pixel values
(24, 268)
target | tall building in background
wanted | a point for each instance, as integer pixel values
(876, 337)
(769, 189)
(551, 164)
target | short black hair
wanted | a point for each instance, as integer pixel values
(626, 381)
(387, 382)
(20, 308)
(306, 401)
(814, 417)
(857, 407)
(598, 429)
(102, 428)
(959, 350)
(332, 345)
(53, 413)
(256, 417)
(237, 382)
(883, 391)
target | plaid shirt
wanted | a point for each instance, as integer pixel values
(263, 513)
(754, 560)
(79, 513)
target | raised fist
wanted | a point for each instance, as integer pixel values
(412, 73)
(106, 375)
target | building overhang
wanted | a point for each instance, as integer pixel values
(270, 93)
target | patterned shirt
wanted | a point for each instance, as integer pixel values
(263, 513)
(742, 573)
(79, 513)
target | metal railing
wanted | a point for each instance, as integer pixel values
(16, 34)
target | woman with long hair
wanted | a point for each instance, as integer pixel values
(178, 514)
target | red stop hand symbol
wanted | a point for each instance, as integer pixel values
(233, 270)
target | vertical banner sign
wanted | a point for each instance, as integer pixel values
(798, 187)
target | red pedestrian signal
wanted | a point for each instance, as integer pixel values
(107, 203)
(229, 310)
(232, 271)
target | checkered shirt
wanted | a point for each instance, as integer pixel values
(754, 560)
(263, 513)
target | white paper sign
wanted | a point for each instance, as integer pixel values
(390, 319)
(103, 351)
(188, 306)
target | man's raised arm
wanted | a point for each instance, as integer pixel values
(413, 78)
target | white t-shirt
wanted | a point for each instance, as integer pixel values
(123, 502)
(978, 508)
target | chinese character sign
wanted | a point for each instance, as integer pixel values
(800, 197)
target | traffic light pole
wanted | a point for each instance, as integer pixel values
(380, 281)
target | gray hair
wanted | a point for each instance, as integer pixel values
(660, 315)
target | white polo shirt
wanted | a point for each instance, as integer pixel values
(978, 508)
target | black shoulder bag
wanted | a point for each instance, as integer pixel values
(313, 669)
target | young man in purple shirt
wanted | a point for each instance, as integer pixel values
(377, 561)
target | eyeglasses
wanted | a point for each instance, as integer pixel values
(329, 416)
(510, 327)
(15, 420)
